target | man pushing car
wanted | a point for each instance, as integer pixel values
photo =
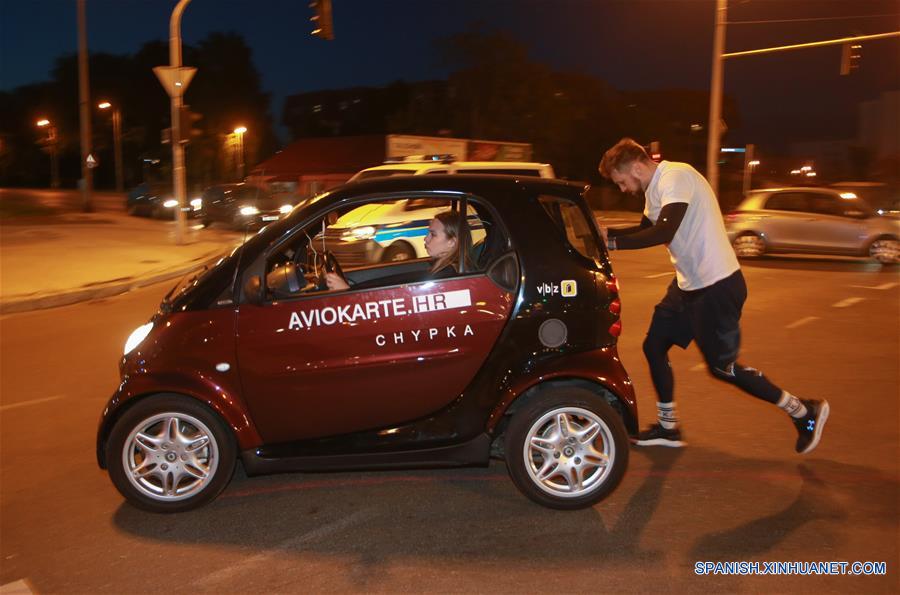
(704, 301)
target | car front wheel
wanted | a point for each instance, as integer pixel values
(567, 449)
(170, 453)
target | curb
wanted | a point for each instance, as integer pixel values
(108, 289)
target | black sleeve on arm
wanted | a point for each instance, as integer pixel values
(662, 233)
(614, 232)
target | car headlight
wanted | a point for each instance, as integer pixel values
(285, 209)
(171, 203)
(135, 338)
(247, 211)
(197, 203)
(361, 233)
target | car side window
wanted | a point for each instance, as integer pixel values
(571, 220)
(824, 204)
(378, 244)
(788, 201)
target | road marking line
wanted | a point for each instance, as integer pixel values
(27, 403)
(283, 547)
(848, 302)
(802, 321)
(882, 286)
(658, 275)
(19, 587)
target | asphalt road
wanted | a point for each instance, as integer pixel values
(821, 327)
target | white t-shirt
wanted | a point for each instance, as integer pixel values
(700, 249)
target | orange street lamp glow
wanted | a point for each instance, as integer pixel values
(105, 105)
(43, 122)
(240, 130)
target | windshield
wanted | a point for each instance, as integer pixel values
(196, 276)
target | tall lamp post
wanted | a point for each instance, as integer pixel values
(117, 141)
(239, 141)
(50, 142)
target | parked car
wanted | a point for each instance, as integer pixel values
(513, 356)
(157, 200)
(242, 205)
(812, 221)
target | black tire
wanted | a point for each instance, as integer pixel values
(521, 466)
(206, 222)
(398, 252)
(168, 407)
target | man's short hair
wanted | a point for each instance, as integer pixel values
(621, 155)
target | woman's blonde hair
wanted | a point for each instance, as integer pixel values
(454, 225)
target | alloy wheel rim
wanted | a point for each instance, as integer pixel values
(748, 246)
(569, 452)
(170, 456)
(886, 251)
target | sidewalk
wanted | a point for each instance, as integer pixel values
(73, 257)
(53, 261)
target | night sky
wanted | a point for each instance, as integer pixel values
(632, 44)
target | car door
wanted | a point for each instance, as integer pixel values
(838, 226)
(331, 363)
(787, 221)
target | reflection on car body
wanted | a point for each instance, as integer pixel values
(813, 221)
(512, 355)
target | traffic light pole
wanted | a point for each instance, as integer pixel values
(87, 177)
(178, 176)
(715, 95)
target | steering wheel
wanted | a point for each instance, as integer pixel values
(329, 264)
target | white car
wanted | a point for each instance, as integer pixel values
(396, 231)
(417, 165)
(387, 232)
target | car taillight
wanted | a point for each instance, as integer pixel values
(733, 216)
(612, 284)
(615, 306)
(615, 329)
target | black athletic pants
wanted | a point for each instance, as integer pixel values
(710, 316)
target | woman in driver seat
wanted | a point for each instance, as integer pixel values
(441, 244)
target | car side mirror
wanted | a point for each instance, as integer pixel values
(253, 290)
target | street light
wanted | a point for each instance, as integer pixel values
(117, 141)
(239, 135)
(50, 142)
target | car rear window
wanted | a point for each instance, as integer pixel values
(572, 222)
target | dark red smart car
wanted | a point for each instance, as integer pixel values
(513, 357)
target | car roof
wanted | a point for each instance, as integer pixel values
(474, 184)
(420, 165)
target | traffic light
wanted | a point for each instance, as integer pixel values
(850, 53)
(655, 155)
(187, 124)
(321, 19)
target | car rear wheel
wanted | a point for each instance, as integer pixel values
(749, 245)
(885, 250)
(398, 252)
(567, 449)
(169, 454)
